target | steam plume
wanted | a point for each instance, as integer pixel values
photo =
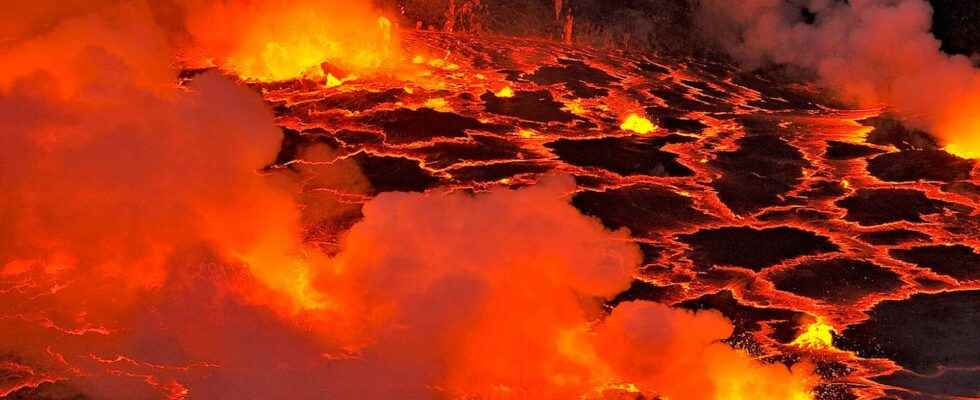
(872, 52)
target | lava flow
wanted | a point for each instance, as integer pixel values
(358, 211)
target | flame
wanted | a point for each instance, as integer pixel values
(638, 124)
(818, 335)
(268, 41)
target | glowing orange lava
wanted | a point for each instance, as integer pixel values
(638, 124)
(268, 41)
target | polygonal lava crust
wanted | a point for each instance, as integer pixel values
(846, 151)
(403, 126)
(931, 165)
(479, 173)
(948, 382)
(892, 237)
(528, 105)
(958, 261)
(753, 248)
(644, 209)
(479, 148)
(881, 206)
(622, 155)
(758, 173)
(394, 174)
(836, 281)
(922, 333)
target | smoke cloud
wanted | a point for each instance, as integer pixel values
(872, 52)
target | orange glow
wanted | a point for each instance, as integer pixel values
(575, 107)
(438, 104)
(638, 124)
(962, 136)
(818, 335)
(148, 232)
(690, 363)
(269, 41)
(505, 92)
(332, 81)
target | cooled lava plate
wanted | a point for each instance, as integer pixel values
(753, 196)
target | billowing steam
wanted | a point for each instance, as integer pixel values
(873, 52)
(144, 255)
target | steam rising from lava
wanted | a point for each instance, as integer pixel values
(871, 51)
(274, 40)
(144, 255)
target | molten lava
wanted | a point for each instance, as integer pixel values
(638, 124)
(438, 234)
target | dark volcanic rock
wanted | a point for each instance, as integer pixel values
(745, 318)
(821, 189)
(968, 189)
(794, 214)
(532, 106)
(295, 144)
(622, 155)
(652, 69)
(775, 95)
(681, 124)
(921, 333)
(481, 148)
(641, 290)
(959, 261)
(847, 151)
(497, 171)
(404, 125)
(359, 100)
(951, 382)
(758, 173)
(752, 248)
(833, 391)
(572, 73)
(394, 174)
(889, 131)
(644, 209)
(759, 126)
(677, 99)
(352, 137)
(836, 281)
(881, 206)
(914, 165)
(894, 236)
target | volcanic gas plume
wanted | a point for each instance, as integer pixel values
(874, 52)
